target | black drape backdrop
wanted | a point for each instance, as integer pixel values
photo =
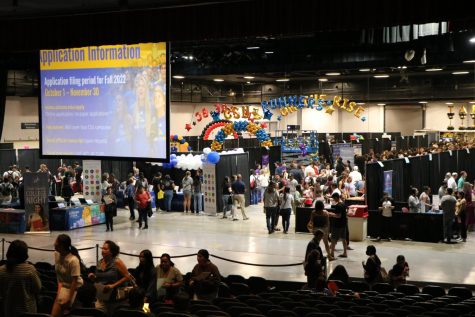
(119, 168)
(427, 170)
(3, 95)
(31, 158)
(7, 158)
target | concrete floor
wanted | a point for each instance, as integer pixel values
(248, 241)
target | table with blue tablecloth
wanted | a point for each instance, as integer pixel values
(75, 217)
(12, 220)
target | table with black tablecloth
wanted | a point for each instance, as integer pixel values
(424, 227)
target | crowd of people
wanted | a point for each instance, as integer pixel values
(110, 285)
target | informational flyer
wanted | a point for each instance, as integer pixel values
(209, 188)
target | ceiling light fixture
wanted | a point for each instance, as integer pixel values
(381, 76)
(248, 77)
(423, 102)
(381, 104)
(460, 73)
(360, 103)
(433, 69)
(364, 69)
(253, 47)
(472, 102)
(269, 52)
(282, 79)
(322, 79)
(470, 61)
(248, 82)
(333, 74)
(472, 40)
(178, 77)
(218, 79)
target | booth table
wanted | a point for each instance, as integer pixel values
(423, 227)
(12, 220)
(69, 218)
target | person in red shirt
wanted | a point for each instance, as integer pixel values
(143, 199)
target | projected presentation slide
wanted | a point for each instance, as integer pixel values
(105, 101)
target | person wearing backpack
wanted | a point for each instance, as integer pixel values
(168, 188)
(6, 189)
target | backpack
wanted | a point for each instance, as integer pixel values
(5, 189)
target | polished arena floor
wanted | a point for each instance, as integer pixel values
(248, 241)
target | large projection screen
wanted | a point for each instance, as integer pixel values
(108, 102)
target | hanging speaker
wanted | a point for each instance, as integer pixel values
(409, 55)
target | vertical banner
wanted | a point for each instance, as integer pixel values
(36, 202)
(209, 188)
(388, 182)
(92, 180)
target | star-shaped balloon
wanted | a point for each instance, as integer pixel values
(263, 125)
(267, 114)
(215, 115)
(188, 127)
(279, 118)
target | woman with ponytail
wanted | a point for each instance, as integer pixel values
(68, 272)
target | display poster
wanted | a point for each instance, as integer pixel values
(92, 180)
(347, 154)
(36, 201)
(358, 149)
(336, 150)
(82, 216)
(388, 182)
(209, 188)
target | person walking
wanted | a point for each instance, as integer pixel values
(110, 201)
(130, 196)
(187, 185)
(144, 200)
(286, 208)
(271, 206)
(448, 204)
(68, 272)
(239, 189)
(226, 196)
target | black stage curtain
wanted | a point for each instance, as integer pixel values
(465, 163)
(402, 143)
(368, 144)
(3, 95)
(119, 168)
(231, 165)
(31, 158)
(374, 186)
(448, 163)
(7, 158)
(325, 151)
(435, 176)
(70, 161)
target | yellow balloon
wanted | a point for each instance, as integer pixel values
(180, 138)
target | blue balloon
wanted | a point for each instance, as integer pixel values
(213, 157)
(182, 141)
(175, 137)
(190, 148)
(172, 156)
(174, 162)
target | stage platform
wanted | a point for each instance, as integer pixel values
(248, 241)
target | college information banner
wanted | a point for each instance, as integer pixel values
(36, 201)
(85, 216)
(92, 180)
(209, 188)
(388, 182)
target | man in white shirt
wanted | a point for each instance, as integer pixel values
(356, 175)
(310, 170)
(451, 183)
